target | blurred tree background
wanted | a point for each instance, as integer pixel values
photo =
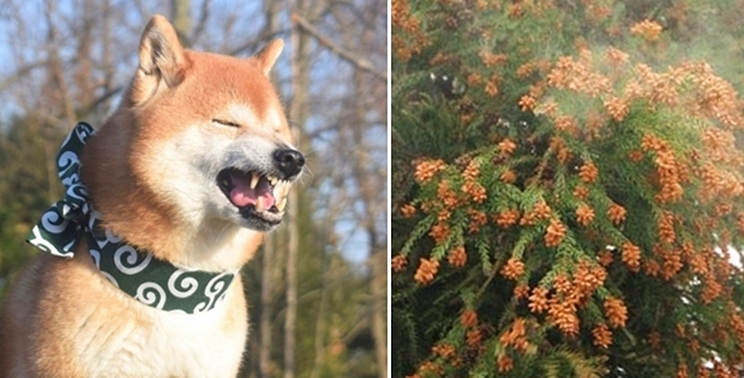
(69, 61)
(567, 188)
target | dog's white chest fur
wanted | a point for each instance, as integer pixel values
(156, 343)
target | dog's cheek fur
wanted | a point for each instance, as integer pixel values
(184, 170)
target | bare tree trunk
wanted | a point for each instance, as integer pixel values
(83, 73)
(297, 113)
(374, 206)
(264, 356)
(291, 315)
(58, 81)
(378, 262)
(181, 19)
(108, 54)
(321, 320)
(56, 87)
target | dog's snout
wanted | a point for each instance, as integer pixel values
(289, 161)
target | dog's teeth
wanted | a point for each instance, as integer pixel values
(260, 207)
(254, 180)
(281, 190)
(282, 202)
(273, 180)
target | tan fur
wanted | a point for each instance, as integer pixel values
(63, 318)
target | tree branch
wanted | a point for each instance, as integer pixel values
(338, 50)
(20, 73)
(200, 25)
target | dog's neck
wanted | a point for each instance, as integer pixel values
(160, 283)
(219, 245)
(214, 245)
(152, 281)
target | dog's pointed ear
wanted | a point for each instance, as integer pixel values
(161, 59)
(268, 55)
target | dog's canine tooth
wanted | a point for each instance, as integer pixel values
(282, 189)
(260, 207)
(254, 179)
(281, 204)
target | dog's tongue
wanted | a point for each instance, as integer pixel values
(242, 194)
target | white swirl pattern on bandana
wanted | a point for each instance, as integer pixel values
(149, 280)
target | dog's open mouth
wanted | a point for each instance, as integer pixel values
(255, 194)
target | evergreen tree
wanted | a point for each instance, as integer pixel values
(567, 189)
(25, 188)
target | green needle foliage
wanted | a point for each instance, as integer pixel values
(567, 189)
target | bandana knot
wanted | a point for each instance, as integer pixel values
(154, 282)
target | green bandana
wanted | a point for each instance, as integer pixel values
(154, 282)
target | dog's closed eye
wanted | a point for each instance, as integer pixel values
(225, 123)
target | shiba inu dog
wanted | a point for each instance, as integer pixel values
(164, 204)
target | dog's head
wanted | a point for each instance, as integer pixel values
(206, 134)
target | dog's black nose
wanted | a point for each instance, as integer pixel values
(289, 162)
